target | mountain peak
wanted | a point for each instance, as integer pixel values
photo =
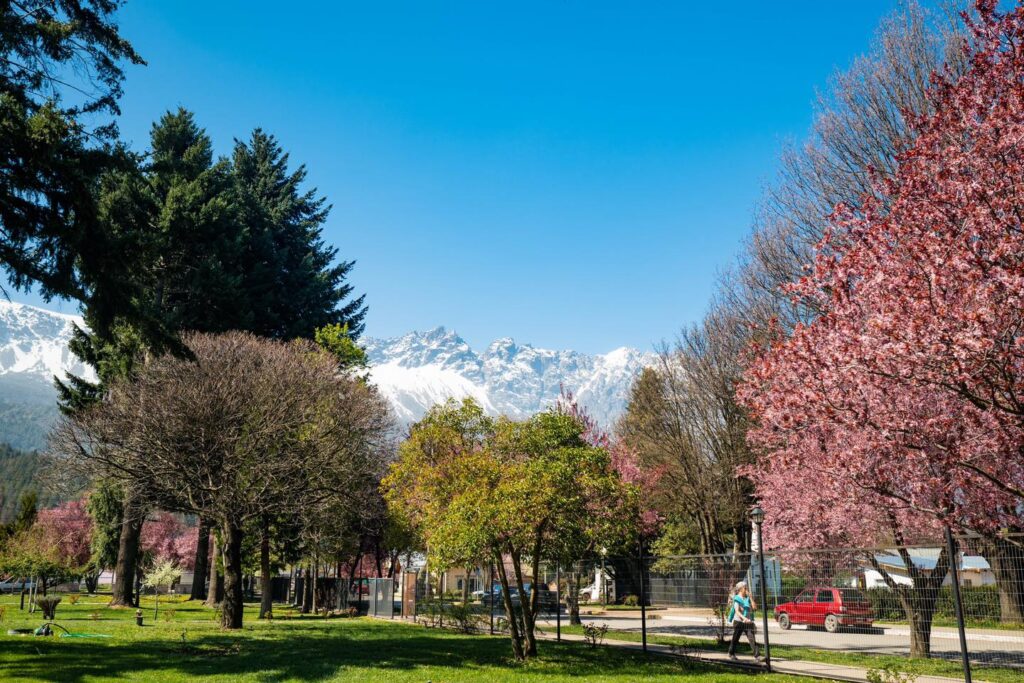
(419, 369)
(414, 371)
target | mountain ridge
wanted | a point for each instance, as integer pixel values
(413, 371)
(419, 369)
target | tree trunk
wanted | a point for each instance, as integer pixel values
(355, 563)
(510, 618)
(529, 639)
(316, 577)
(266, 589)
(202, 561)
(127, 553)
(920, 632)
(231, 616)
(307, 589)
(465, 588)
(1007, 561)
(216, 592)
(92, 580)
(918, 600)
(572, 596)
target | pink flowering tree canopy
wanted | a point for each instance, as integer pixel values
(900, 408)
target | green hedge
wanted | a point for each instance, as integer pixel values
(981, 603)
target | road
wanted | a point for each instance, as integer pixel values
(985, 645)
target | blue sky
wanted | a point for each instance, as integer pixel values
(571, 174)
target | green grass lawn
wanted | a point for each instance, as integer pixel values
(924, 667)
(189, 645)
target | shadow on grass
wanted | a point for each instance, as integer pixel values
(313, 653)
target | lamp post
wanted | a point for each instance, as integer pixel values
(757, 517)
(604, 578)
(954, 575)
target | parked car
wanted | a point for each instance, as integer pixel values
(827, 606)
(546, 599)
(14, 586)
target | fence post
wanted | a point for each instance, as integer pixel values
(643, 597)
(558, 602)
(757, 517)
(958, 602)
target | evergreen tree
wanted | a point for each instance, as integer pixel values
(60, 79)
(177, 212)
(291, 280)
(218, 246)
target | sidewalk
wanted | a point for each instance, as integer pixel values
(820, 670)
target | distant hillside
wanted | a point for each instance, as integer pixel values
(25, 425)
(20, 472)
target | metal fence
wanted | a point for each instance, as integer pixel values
(380, 598)
(820, 603)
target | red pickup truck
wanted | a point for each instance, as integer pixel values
(827, 606)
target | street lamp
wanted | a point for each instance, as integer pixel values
(757, 517)
(604, 578)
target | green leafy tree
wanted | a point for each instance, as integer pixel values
(506, 492)
(106, 509)
(164, 574)
(337, 340)
(24, 518)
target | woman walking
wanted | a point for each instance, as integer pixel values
(741, 616)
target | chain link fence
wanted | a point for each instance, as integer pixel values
(841, 605)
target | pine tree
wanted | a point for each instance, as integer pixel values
(177, 214)
(217, 246)
(291, 280)
(60, 79)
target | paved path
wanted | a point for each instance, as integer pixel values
(985, 645)
(832, 672)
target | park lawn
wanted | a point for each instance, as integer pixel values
(190, 645)
(922, 667)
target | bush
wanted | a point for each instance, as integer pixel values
(981, 603)
(594, 634)
(631, 601)
(455, 615)
(73, 598)
(791, 586)
(890, 674)
(49, 606)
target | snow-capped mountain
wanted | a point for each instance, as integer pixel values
(419, 369)
(33, 349)
(34, 343)
(414, 372)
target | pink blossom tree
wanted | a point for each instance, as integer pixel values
(55, 548)
(165, 537)
(897, 411)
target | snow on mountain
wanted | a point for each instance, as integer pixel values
(34, 344)
(33, 349)
(414, 372)
(419, 369)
